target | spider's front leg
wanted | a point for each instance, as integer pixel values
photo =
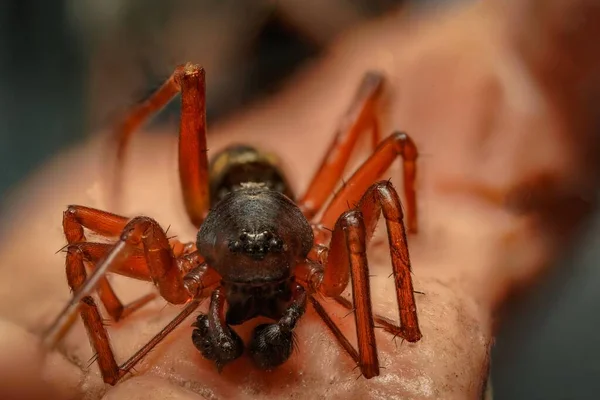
(80, 251)
(189, 79)
(179, 280)
(346, 260)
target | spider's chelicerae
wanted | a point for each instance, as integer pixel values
(259, 250)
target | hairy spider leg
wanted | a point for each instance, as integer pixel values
(94, 324)
(190, 80)
(91, 254)
(360, 118)
(397, 144)
(382, 198)
(347, 257)
(386, 324)
(179, 280)
(346, 260)
(75, 219)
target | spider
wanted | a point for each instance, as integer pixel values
(257, 253)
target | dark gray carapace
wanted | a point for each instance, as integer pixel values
(253, 236)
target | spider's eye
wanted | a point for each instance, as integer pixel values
(244, 236)
(235, 245)
(275, 244)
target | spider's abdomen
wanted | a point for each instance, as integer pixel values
(239, 164)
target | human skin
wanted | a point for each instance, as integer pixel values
(503, 166)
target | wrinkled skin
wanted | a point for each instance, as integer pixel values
(489, 129)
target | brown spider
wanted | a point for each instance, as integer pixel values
(256, 250)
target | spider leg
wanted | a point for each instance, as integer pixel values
(167, 272)
(188, 79)
(198, 278)
(94, 324)
(346, 261)
(110, 370)
(75, 219)
(149, 253)
(339, 335)
(387, 324)
(92, 253)
(382, 198)
(91, 317)
(107, 224)
(359, 118)
(398, 144)
(346, 258)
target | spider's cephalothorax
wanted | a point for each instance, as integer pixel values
(256, 254)
(254, 233)
(253, 236)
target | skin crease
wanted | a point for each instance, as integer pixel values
(488, 130)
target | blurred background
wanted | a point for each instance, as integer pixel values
(70, 67)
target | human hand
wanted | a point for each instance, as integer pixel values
(499, 163)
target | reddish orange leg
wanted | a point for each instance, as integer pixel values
(359, 118)
(346, 261)
(92, 253)
(398, 144)
(382, 198)
(160, 262)
(193, 159)
(111, 371)
(339, 335)
(75, 219)
(179, 280)
(387, 324)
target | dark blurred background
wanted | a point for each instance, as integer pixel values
(68, 67)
